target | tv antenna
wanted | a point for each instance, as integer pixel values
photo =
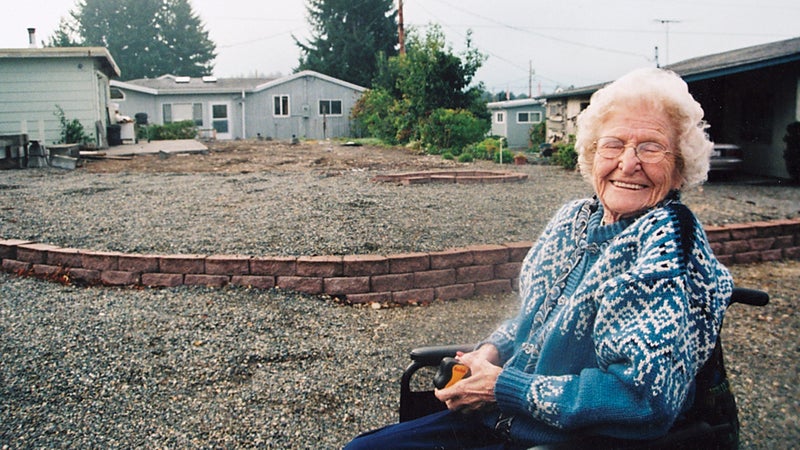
(666, 23)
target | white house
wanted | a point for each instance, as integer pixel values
(35, 82)
(306, 104)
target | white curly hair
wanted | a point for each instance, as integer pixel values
(657, 90)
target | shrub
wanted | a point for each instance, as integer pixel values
(72, 131)
(506, 155)
(466, 157)
(374, 114)
(451, 130)
(176, 130)
(449, 156)
(486, 148)
(537, 135)
(565, 155)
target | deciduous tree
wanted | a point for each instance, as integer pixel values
(429, 81)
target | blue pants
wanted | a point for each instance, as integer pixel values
(443, 430)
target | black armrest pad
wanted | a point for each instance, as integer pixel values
(430, 356)
(749, 297)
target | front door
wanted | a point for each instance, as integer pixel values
(220, 120)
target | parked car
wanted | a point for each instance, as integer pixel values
(726, 158)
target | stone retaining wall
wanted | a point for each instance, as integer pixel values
(452, 176)
(400, 278)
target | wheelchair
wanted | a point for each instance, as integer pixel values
(711, 423)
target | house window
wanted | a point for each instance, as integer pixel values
(281, 103)
(219, 118)
(179, 112)
(117, 94)
(529, 117)
(499, 117)
(554, 110)
(330, 107)
(197, 114)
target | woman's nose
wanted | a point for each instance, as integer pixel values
(628, 161)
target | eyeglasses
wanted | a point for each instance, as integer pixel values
(647, 152)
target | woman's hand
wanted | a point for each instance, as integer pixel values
(477, 390)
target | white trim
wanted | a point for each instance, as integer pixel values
(288, 112)
(797, 98)
(228, 119)
(133, 87)
(308, 73)
(62, 52)
(514, 103)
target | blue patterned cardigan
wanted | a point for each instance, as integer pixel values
(615, 321)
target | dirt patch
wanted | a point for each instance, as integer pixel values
(255, 156)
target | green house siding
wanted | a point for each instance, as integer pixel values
(513, 120)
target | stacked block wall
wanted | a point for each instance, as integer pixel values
(400, 278)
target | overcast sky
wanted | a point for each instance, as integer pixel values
(565, 42)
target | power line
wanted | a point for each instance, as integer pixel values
(545, 36)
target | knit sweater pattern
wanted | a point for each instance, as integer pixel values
(614, 323)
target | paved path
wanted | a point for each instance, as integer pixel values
(144, 147)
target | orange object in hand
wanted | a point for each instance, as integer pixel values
(450, 372)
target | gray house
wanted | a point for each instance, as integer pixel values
(34, 82)
(749, 96)
(306, 104)
(513, 120)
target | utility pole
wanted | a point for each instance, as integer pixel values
(401, 34)
(666, 23)
(530, 79)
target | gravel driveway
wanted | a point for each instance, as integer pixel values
(239, 368)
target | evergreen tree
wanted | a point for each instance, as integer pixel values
(347, 36)
(147, 38)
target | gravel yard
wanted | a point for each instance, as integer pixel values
(312, 199)
(238, 368)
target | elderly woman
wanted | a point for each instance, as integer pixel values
(621, 297)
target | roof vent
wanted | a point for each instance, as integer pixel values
(209, 79)
(183, 79)
(32, 38)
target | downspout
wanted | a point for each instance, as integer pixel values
(244, 117)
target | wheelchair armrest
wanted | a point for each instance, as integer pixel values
(415, 404)
(746, 296)
(431, 356)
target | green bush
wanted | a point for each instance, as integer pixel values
(172, 131)
(72, 131)
(374, 114)
(537, 135)
(486, 148)
(565, 155)
(466, 157)
(506, 155)
(451, 130)
(448, 156)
